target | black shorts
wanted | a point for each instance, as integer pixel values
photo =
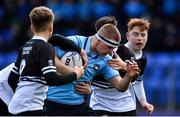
(32, 113)
(102, 112)
(57, 109)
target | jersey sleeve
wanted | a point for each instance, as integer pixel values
(47, 63)
(64, 43)
(139, 90)
(14, 74)
(142, 63)
(46, 59)
(124, 53)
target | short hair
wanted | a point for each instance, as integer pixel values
(143, 24)
(105, 20)
(41, 17)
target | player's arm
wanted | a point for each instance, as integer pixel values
(47, 63)
(117, 63)
(83, 88)
(54, 79)
(68, 45)
(140, 93)
(119, 57)
(62, 68)
(138, 86)
(13, 78)
(64, 43)
(122, 84)
(14, 74)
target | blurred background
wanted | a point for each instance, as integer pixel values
(162, 75)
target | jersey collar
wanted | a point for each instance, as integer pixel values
(39, 37)
(137, 54)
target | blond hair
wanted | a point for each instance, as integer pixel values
(41, 17)
(143, 24)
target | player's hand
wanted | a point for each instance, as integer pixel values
(117, 63)
(132, 69)
(149, 108)
(84, 58)
(79, 71)
(83, 88)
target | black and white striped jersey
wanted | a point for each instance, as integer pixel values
(34, 70)
(35, 59)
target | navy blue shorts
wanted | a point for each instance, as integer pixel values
(107, 113)
(58, 109)
(32, 113)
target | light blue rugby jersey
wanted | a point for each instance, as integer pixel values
(66, 94)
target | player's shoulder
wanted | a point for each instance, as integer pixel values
(122, 46)
(42, 45)
(124, 52)
(77, 37)
(124, 49)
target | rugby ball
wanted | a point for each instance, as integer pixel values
(72, 59)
